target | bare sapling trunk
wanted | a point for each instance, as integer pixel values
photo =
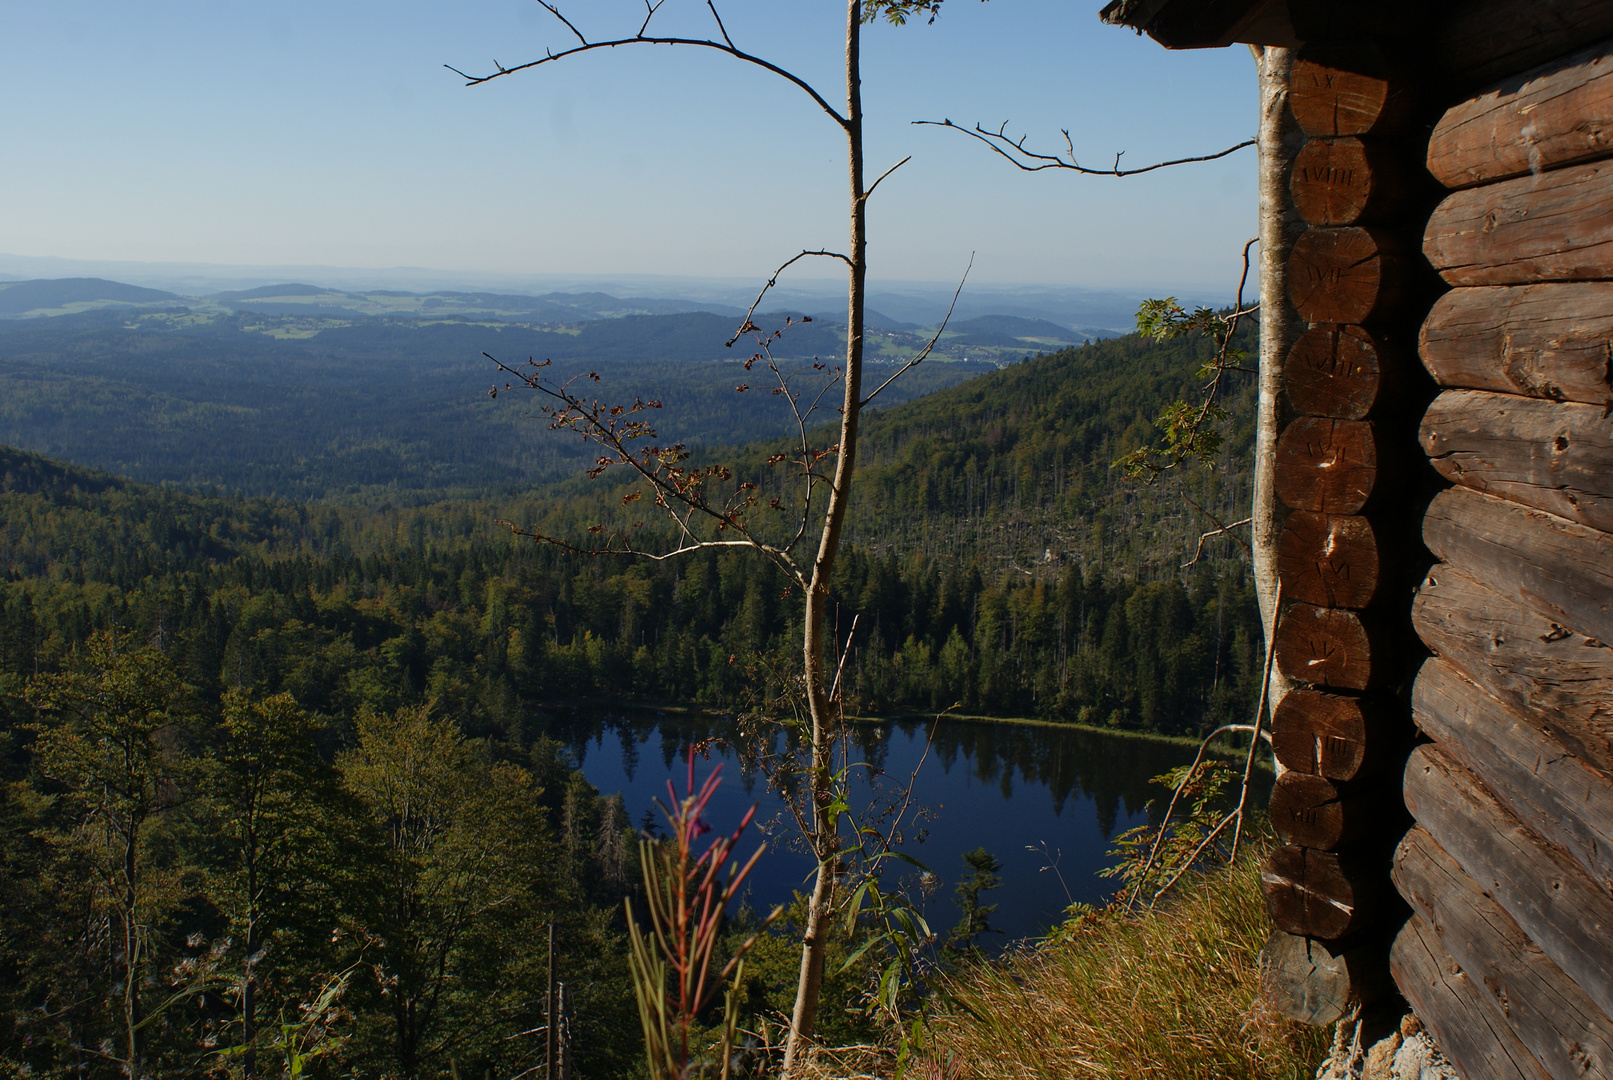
(710, 497)
(131, 951)
(826, 818)
(1279, 141)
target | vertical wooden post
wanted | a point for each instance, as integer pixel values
(549, 1016)
(1343, 484)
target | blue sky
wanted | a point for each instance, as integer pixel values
(329, 133)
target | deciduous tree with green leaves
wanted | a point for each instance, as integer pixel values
(111, 733)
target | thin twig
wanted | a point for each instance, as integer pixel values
(584, 45)
(870, 192)
(1170, 809)
(912, 779)
(747, 326)
(1183, 446)
(929, 345)
(834, 687)
(1191, 859)
(1260, 712)
(1219, 530)
(721, 29)
(998, 140)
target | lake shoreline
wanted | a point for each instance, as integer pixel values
(686, 709)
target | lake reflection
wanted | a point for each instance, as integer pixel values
(1005, 787)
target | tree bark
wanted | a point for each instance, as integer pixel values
(1553, 116)
(1555, 456)
(1469, 1030)
(1545, 341)
(1543, 889)
(1565, 799)
(1561, 569)
(1280, 224)
(1553, 1018)
(826, 820)
(1554, 227)
(1522, 658)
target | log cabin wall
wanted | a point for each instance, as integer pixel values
(1499, 897)
(1508, 870)
(1447, 813)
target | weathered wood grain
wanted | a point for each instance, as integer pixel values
(1321, 894)
(1348, 181)
(1335, 560)
(1553, 456)
(1561, 678)
(1343, 371)
(1327, 465)
(1545, 341)
(1337, 736)
(1469, 1030)
(1551, 116)
(1566, 799)
(1554, 227)
(1346, 650)
(1306, 981)
(1561, 569)
(1541, 887)
(1314, 812)
(1349, 89)
(1348, 275)
(1485, 40)
(1561, 1028)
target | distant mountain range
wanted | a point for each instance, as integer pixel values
(63, 295)
(975, 323)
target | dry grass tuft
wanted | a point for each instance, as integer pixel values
(1170, 995)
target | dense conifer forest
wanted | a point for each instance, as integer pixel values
(285, 774)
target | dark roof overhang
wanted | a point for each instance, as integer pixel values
(1205, 24)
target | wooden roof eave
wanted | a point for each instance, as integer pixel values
(1206, 24)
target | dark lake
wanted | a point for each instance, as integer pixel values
(1034, 796)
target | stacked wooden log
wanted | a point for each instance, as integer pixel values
(1349, 553)
(1508, 956)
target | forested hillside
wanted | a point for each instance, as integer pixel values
(996, 564)
(253, 674)
(362, 408)
(319, 407)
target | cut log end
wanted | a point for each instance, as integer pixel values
(1332, 560)
(1306, 981)
(1311, 893)
(1347, 89)
(1334, 736)
(1348, 275)
(1327, 465)
(1345, 181)
(1321, 646)
(1336, 371)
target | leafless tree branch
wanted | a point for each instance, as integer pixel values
(674, 486)
(726, 46)
(721, 29)
(1219, 530)
(929, 345)
(649, 13)
(1015, 152)
(747, 326)
(870, 192)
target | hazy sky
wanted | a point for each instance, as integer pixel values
(329, 133)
